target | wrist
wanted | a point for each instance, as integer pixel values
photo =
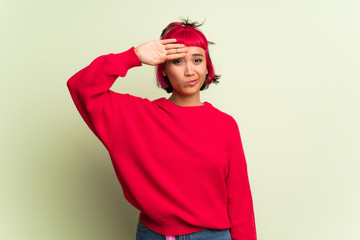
(132, 59)
(136, 50)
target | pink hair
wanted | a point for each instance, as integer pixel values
(191, 37)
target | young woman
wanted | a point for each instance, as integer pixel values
(179, 161)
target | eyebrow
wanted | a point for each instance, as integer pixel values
(194, 55)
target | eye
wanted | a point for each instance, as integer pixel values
(198, 60)
(177, 61)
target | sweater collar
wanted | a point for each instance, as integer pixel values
(190, 111)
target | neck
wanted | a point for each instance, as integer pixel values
(186, 101)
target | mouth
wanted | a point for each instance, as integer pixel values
(191, 83)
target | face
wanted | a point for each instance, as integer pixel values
(187, 74)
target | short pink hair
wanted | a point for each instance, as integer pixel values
(187, 34)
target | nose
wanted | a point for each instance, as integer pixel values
(189, 69)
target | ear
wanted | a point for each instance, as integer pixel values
(163, 72)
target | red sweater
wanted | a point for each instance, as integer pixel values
(183, 167)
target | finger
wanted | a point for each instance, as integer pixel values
(177, 50)
(166, 41)
(175, 56)
(169, 46)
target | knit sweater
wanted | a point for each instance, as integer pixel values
(183, 168)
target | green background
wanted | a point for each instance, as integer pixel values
(290, 77)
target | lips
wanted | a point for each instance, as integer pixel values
(191, 83)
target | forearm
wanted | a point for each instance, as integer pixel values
(240, 209)
(240, 203)
(100, 75)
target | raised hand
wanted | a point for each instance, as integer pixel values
(158, 51)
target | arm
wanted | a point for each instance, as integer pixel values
(90, 87)
(240, 205)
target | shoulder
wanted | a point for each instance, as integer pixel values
(226, 122)
(224, 116)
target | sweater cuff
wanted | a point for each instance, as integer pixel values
(132, 60)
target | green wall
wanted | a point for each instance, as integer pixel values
(290, 77)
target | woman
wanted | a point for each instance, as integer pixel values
(179, 161)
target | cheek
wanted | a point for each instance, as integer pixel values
(175, 72)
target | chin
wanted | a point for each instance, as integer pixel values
(191, 92)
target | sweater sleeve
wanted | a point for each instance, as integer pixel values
(90, 90)
(240, 205)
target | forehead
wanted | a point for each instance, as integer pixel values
(195, 50)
